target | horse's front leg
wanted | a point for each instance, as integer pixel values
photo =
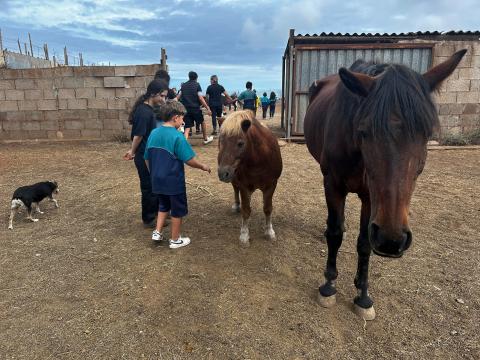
(236, 204)
(245, 195)
(335, 227)
(363, 303)
(267, 209)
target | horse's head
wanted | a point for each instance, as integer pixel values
(232, 143)
(391, 128)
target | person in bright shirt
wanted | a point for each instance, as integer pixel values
(265, 103)
(248, 98)
(166, 152)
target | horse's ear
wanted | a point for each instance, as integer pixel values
(246, 125)
(357, 83)
(437, 74)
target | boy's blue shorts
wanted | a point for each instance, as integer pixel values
(175, 204)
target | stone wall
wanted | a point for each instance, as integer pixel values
(458, 98)
(13, 60)
(70, 102)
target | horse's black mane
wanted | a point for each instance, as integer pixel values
(398, 90)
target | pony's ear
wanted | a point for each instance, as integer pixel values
(246, 125)
(357, 83)
(437, 74)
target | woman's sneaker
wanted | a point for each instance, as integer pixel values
(157, 236)
(181, 241)
(208, 140)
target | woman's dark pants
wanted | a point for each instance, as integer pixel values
(149, 199)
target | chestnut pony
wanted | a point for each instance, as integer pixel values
(249, 157)
(368, 129)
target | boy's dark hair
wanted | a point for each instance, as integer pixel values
(249, 85)
(272, 95)
(264, 94)
(162, 74)
(192, 75)
(171, 109)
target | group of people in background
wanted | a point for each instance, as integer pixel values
(159, 151)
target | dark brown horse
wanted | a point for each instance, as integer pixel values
(368, 129)
(249, 157)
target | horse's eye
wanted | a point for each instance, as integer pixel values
(240, 144)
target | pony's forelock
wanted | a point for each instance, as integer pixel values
(232, 126)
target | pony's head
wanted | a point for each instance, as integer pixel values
(395, 119)
(232, 143)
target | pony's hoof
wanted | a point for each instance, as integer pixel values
(366, 314)
(236, 208)
(10, 227)
(270, 234)
(34, 220)
(244, 244)
(327, 301)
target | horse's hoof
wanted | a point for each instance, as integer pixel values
(236, 208)
(327, 301)
(366, 314)
(10, 228)
(270, 234)
(244, 244)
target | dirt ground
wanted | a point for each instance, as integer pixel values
(86, 282)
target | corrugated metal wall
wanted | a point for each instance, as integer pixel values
(311, 65)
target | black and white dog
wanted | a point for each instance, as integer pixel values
(30, 196)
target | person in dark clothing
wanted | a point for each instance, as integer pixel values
(214, 93)
(143, 121)
(190, 95)
(248, 98)
(273, 102)
(265, 101)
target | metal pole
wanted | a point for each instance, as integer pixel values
(31, 47)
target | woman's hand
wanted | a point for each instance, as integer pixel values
(129, 155)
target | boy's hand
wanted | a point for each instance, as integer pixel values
(206, 168)
(128, 155)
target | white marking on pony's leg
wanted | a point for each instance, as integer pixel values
(16, 204)
(55, 201)
(236, 207)
(30, 214)
(269, 232)
(244, 233)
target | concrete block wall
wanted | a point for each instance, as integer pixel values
(458, 98)
(70, 102)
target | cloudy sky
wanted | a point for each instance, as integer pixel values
(238, 40)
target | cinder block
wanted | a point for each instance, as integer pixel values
(444, 109)
(82, 71)
(8, 105)
(475, 85)
(112, 124)
(97, 104)
(52, 115)
(117, 104)
(54, 134)
(14, 95)
(109, 134)
(469, 97)
(137, 82)
(33, 95)
(147, 70)
(74, 124)
(93, 82)
(73, 114)
(476, 49)
(11, 125)
(72, 83)
(108, 114)
(101, 93)
(15, 116)
(93, 124)
(85, 93)
(455, 109)
(50, 94)
(47, 105)
(103, 71)
(31, 125)
(125, 70)
(27, 105)
(71, 134)
(123, 115)
(444, 49)
(470, 73)
(35, 115)
(62, 104)
(63, 71)
(25, 84)
(7, 84)
(90, 114)
(37, 73)
(36, 134)
(2, 95)
(66, 93)
(79, 104)
(125, 93)
(17, 134)
(91, 134)
(458, 85)
(11, 74)
(446, 98)
(47, 84)
(471, 109)
(114, 82)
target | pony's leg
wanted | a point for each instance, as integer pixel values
(16, 204)
(54, 201)
(236, 204)
(363, 303)
(267, 209)
(30, 213)
(246, 211)
(335, 227)
(37, 208)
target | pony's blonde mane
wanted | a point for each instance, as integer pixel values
(232, 126)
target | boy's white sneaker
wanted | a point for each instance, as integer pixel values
(157, 236)
(208, 140)
(180, 242)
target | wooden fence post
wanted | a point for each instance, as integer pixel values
(19, 47)
(1, 41)
(65, 55)
(31, 47)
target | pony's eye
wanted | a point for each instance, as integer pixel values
(240, 144)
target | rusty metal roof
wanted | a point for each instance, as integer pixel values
(408, 34)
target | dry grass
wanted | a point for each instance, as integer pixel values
(86, 281)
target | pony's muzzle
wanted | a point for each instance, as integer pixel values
(386, 245)
(225, 173)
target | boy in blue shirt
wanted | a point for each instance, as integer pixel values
(166, 152)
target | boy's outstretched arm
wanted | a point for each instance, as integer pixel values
(195, 164)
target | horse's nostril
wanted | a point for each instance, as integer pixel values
(406, 240)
